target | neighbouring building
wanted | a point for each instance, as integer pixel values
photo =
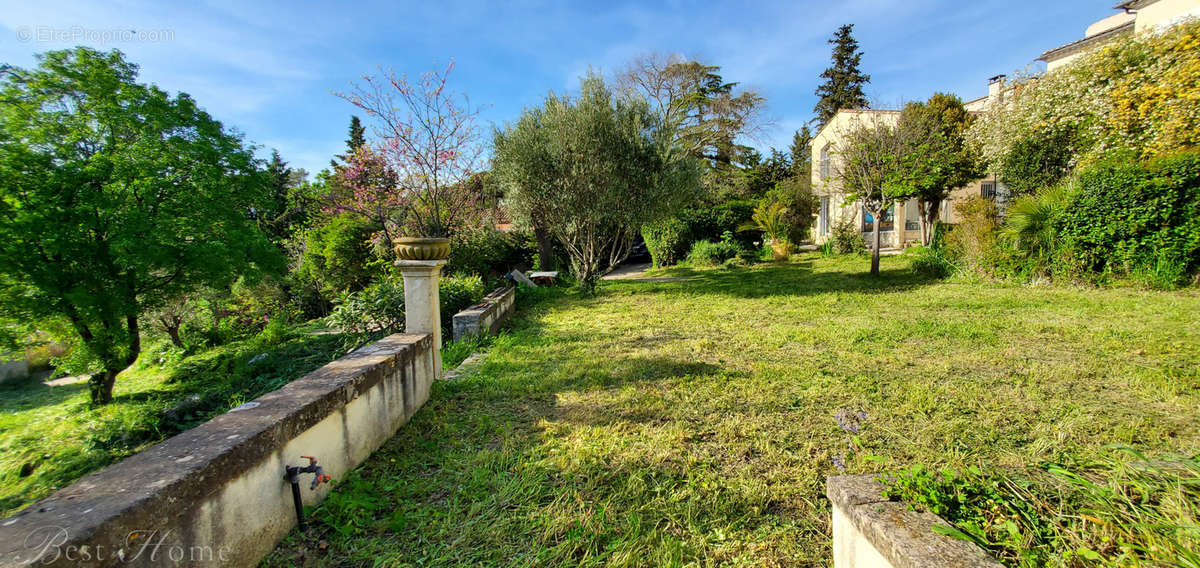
(1136, 16)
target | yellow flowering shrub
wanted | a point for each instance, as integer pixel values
(1139, 93)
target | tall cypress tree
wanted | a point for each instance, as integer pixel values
(843, 86)
(279, 177)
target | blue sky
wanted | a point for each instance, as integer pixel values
(267, 69)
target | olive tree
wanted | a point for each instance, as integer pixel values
(592, 169)
(116, 197)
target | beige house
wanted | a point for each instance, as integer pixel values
(901, 224)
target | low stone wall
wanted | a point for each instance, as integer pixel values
(12, 369)
(869, 531)
(488, 315)
(216, 495)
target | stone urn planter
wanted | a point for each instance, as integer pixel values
(422, 248)
(782, 250)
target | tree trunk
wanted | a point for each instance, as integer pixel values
(921, 207)
(100, 385)
(875, 248)
(931, 219)
(545, 246)
(171, 325)
(173, 333)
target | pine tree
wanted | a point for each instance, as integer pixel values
(357, 138)
(801, 151)
(355, 141)
(843, 86)
(279, 178)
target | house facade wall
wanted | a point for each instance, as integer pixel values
(833, 207)
(1163, 13)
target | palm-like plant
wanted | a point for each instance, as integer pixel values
(1030, 221)
(768, 217)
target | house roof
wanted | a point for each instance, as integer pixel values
(1133, 4)
(1063, 50)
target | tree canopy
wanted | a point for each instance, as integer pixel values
(695, 103)
(114, 197)
(936, 156)
(870, 167)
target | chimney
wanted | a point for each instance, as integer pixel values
(996, 87)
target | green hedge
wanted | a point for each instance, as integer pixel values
(711, 223)
(380, 306)
(667, 241)
(708, 253)
(1131, 217)
(488, 251)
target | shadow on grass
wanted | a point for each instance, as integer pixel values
(795, 278)
(514, 464)
(467, 470)
(30, 392)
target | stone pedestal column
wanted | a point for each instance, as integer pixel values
(422, 311)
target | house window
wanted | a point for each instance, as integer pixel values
(886, 222)
(912, 215)
(987, 189)
(825, 162)
(823, 217)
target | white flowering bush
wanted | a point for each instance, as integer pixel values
(1139, 93)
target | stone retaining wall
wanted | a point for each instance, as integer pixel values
(488, 315)
(12, 369)
(216, 495)
(869, 531)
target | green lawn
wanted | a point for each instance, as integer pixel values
(692, 422)
(51, 436)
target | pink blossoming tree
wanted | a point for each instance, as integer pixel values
(415, 175)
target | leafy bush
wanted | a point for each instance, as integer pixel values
(799, 205)
(456, 294)
(337, 256)
(1040, 160)
(930, 261)
(666, 240)
(488, 251)
(1137, 218)
(708, 253)
(844, 238)
(974, 242)
(711, 223)
(379, 308)
(1114, 512)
